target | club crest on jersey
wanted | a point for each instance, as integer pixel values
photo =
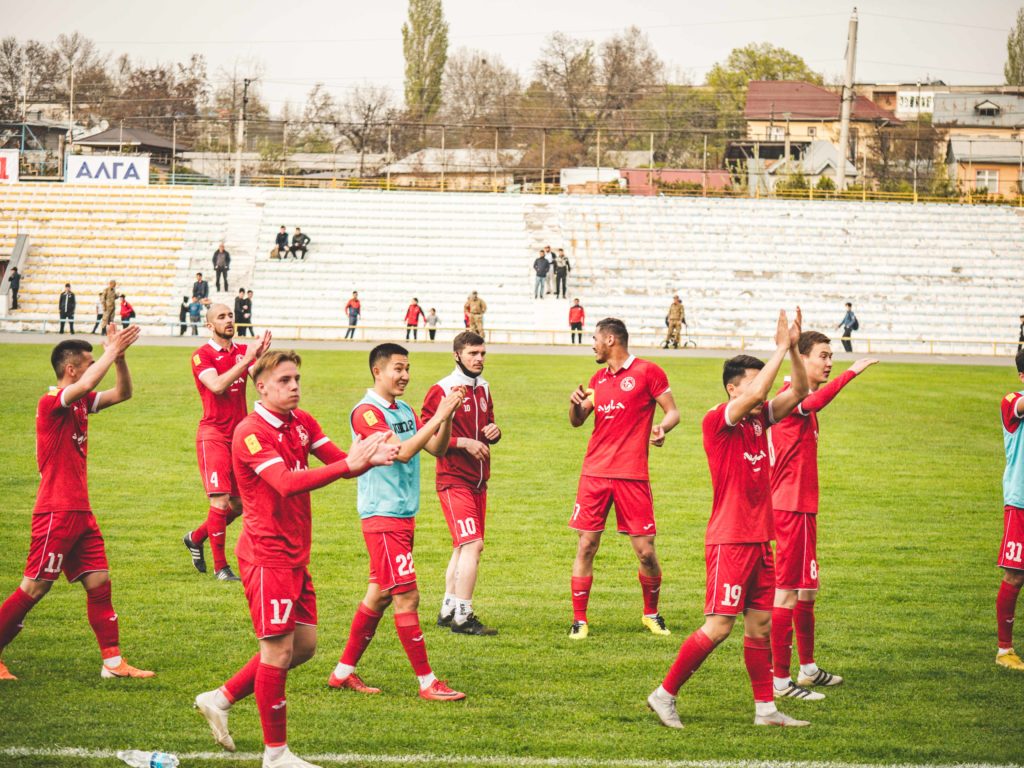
(758, 429)
(239, 358)
(302, 433)
(483, 404)
(627, 384)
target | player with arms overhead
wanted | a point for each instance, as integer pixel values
(461, 479)
(220, 368)
(622, 396)
(389, 498)
(1011, 556)
(794, 474)
(65, 536)
(270, 456)
(737, 551)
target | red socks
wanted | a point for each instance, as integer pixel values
(12, 615)
(782, 641)
(1006, 606)
(803, 617)
(757, 655)
(581, 596)
(272, 705)
(692, 653)
(216, 525)
(651, 587)
(408, 627)
(102, 618)
(199, 535)
(364, 625)
(243, 682)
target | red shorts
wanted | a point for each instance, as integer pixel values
(796, 550)
(740, 576)
(389, 542)
(465, 510)
(215, 467)
(634, 505)
(279, 598)
(1012, 553)
(68, 542)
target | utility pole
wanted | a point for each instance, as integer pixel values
(71, 111)
(241, 133)
(847, 103)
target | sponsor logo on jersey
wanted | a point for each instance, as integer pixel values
(754, 459)
(609, 408)
(405, 426)
(253, 444)
(302, 433)
(627, 384)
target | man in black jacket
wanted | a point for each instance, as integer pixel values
(15, 285)
(182, 315)
(562, 269)
(300, 242)
(200, 288)
(240, 311)
(221, 265)
(66, 304)
(282, 242)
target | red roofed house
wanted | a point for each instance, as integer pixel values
(810, 113)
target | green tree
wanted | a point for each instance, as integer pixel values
(756, 61)
(1013, 70)
(425, 45)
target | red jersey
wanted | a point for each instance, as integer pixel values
(221, 413)
(741, 510)
(576, 315)
(276, 529)
(793, 450)
(624, 404)
(62, 433)
(413, 314)
(457, 467)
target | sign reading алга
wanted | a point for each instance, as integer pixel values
(8, 166)
(107, 169)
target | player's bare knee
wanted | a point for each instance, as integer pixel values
(220, 501)
(95, 579)
(1013, 577)
(717, 627)
(648, 559)
(407, 601)
(807, 595)
(785, 598)
(35, 588)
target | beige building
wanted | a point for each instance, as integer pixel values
(990, 166)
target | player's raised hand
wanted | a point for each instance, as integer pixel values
(253, 351)
(475, 448)
(863, 364)
(796, 329)
(657, 436)
(491, 432)
(373, 451)
(782, 331)
(451, 402)
(119, 339)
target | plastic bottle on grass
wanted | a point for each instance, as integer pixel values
(136, 758)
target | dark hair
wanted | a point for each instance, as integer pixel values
(1020, 361)
(67, 285)
(849, 305)
(384, 352)
(615, 327)
(737, 367)
(466, 339)
(809, 338)
(66, 352)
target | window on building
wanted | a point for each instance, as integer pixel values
(987, 181)
(776, 133)
(812, 131)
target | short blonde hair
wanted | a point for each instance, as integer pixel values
(268, 361)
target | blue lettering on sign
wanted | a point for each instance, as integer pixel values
(112, 171)
(405, 426)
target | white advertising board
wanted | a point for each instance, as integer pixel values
(107, 169)
(8, 166)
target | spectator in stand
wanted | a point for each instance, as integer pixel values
(248, 312)
(577, 317)
(353, 309)
(550, 257)
(475, 307)
(200, 288)
(239, 311)
(300, 242)
(1020, 336)
(127, 312)
(195, 310)
(15, 286)
(109, 296)
(412, 318)
(849, 324)
(562, 270)
(182, 316)
(99, 313)
(66, 305)
(221, 265)
(431, 321)
(281, 243)
(540, 268)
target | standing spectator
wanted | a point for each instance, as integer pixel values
(127, 312)
(99, 312)
(412, 318)
(239, 311)
(353, 309)
(541, 267)
(562, 270)
(109, 296)
(221, 265)
(195, 309)
(282, 242)
(550, 258)
(475, 307)
(577, 317)
(300, 242)
(248, 312)
(1020, 336)
(431, 321)
(849, 324)
(182, 315)
(675, 320)
(15, 286)
(67, 308)
(200, 288)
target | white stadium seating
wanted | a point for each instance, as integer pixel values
(913, 272)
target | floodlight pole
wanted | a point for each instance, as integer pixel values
(847, 103)
(240, 140)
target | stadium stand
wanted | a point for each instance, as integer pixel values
(912, 271)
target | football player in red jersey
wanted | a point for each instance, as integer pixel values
(220, 368)
(794, 477)
(737, 551)
(461, 479)
(65, 536)
(622, 396)
(270, 455)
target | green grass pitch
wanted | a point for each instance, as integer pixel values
(911, 464)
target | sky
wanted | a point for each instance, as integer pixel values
(342, 44)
